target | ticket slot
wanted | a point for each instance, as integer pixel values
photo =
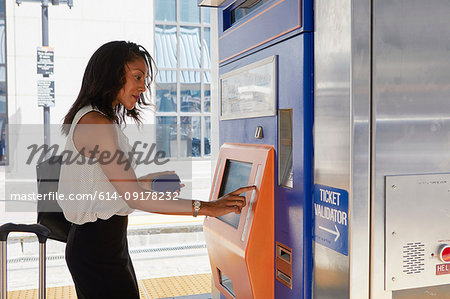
(283, 278)
(284, 264)
(227, 283)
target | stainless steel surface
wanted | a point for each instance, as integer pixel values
(3, 281)
(359, 195)
(411, 107)
(381, 109)
(332, 130)
(438, 292)
(42, 260)
(413, 242)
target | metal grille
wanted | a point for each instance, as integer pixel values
(413, 258)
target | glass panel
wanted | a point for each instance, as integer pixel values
(245, 9)
(190, 92)
(166, 10)
(166, 97)
(2, 41)
(3, 137)
(285, 170)
(2, 74)
(3, 103)
(207, 92)
(190, 47)
(207, 77)
(206, 15)
(2, 8)
(164, 76)
(235, 175)
(207, 48)
(190, 130)
(166, 46)
(207, 134)
(166, 135)
(2, 92)
(189, 11)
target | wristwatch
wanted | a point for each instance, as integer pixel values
(196, 204)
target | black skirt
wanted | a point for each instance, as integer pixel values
(98, 259)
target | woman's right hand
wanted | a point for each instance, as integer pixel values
(231, 202)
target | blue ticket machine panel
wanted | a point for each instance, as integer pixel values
(266, 97)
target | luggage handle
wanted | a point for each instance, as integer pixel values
(41, 231)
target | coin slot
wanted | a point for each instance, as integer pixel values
(284, 254)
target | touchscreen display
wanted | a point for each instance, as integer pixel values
(235, 175)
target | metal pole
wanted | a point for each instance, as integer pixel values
(45, 44)
(3, 282)
(45, 23)
(42, 253)
(42, 260)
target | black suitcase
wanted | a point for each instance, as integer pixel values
(51, 223)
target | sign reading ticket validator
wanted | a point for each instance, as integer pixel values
(331, 218)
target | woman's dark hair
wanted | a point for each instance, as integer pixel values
(104, 77)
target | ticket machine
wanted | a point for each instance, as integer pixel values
(240, 245)
(265, 101)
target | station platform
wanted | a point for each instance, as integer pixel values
(180, 287)
(168, 252)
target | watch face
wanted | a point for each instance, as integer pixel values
(197, 205)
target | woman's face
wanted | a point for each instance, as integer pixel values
(135, 75)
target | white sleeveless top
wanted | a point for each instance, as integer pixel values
(85, 187)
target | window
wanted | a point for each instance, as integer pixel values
(3, 106)
(183, 82)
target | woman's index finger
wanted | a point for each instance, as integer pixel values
(243, 189)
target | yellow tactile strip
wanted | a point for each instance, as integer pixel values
(176, 286)
(67, 292)
(148, 288)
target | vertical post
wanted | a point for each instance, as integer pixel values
(3, 281)
(42, 260)
(42, 253)
(45, 44)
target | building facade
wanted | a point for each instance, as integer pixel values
(182, 92)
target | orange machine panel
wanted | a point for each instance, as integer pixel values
(240, 247)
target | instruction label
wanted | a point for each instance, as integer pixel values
(331, 218)
(45, 60)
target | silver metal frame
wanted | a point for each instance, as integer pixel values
(342, 124)
(3, 281)
(42, 271)
(410, 115)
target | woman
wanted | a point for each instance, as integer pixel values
(115, 80)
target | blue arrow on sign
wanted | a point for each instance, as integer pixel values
(331, 218)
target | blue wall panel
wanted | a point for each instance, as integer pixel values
(274, 18)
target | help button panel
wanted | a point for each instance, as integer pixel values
(442, 269)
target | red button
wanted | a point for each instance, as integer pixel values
(445, 253)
